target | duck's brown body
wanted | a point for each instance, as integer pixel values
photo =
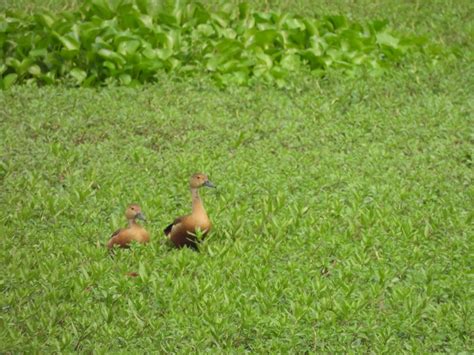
(134, 232)
(123, 237)
(182, 232)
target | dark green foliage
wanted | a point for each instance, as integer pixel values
(130, 42)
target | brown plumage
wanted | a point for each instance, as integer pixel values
(182, 232)
(134, 232)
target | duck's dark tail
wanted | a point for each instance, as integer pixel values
(167, 230)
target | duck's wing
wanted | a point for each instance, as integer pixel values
(116, 232)
(168, 229)
(114, 237)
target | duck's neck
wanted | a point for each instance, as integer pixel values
(132, 223)
(198, 207)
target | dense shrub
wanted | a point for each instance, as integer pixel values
(131, 41)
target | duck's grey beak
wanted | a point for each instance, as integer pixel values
(209, 184)
(140, 216)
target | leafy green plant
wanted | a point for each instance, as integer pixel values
(130, 42)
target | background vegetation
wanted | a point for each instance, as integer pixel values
(130, 42)
(343, 215)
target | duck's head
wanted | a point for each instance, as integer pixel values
(134, 212)
(199, 180)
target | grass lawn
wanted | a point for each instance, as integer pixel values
(343, 216)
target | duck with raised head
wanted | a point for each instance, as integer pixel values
(134, 232)
(182, 232)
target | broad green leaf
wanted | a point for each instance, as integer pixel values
(358, 59)
(280, 19)
(220, 18)
(90, 80)
(39, 52)
(386, 39)
(8, 80)
(290, 62)
(111, 56)
(150, 65)
(279, 72)
(69, 42)
(245, 26)
(142, 270)
(229, 48)
(146, 21)
(314, 59)
(172, 63)
(244, 10)
(78, 74)
(332, 39)
(88, 33)
(311, 27)
(281, 83)
(230, 66)
(234, 78)
(334, 53)
(295, 24)
(109, 65)
(132, 60)
(125, 79)
(163, 53)
(228, 33)
(259, 70)
(148, 7)
(378, 25)
(262, 38)
(201, 15)
(3, 26)
(24, 65)
(34, 70)
(413, 41)
(102, 8)
(167, 40)
(390, 53)
(128, 47)
(127, 12)
(337, 22)
(262, 17)
(47, 78)
(213, 63)
(44, 19)
(206, 30)
(264, 59)
(149, 53)
(13, 62)
(167, 19)
(297, 38)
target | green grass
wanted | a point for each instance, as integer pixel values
(343, 215)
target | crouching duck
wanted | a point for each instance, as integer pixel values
(134, 232)
(182, 232)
